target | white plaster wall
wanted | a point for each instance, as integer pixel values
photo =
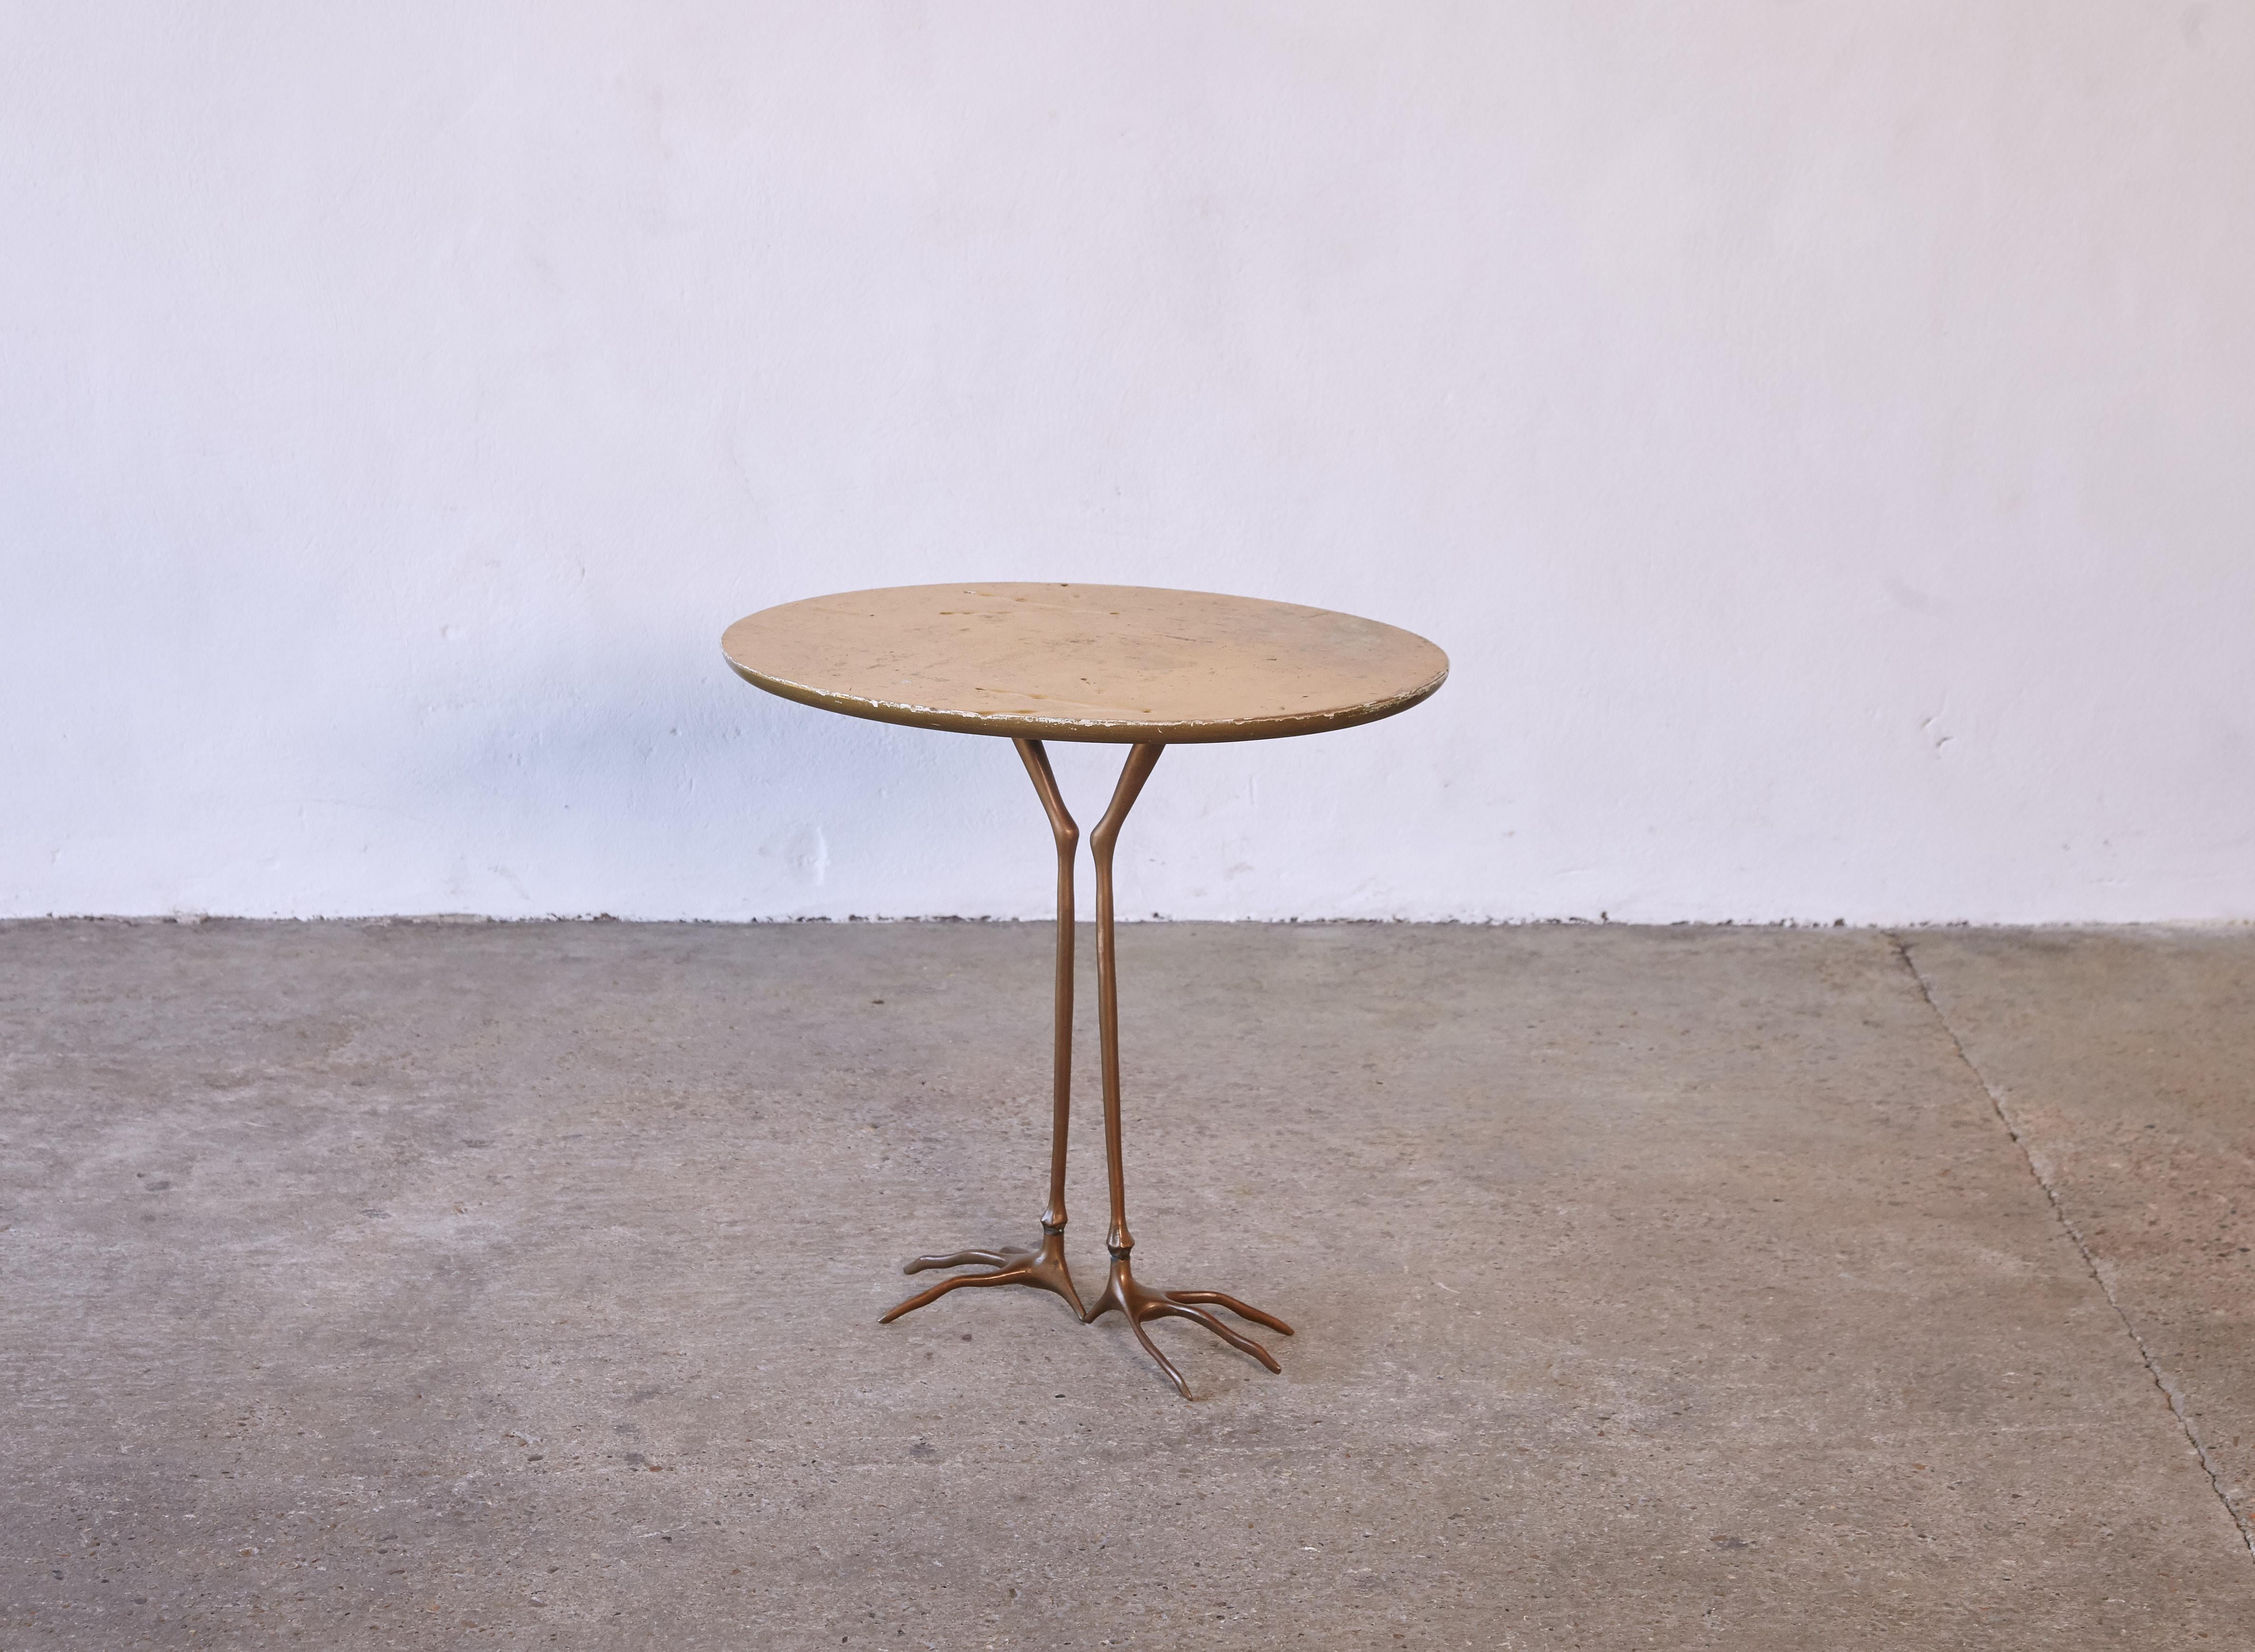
(1822, 434)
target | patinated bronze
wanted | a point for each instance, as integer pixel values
(1138, 1302)
(1044, 1266)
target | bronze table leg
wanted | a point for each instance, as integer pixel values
(1137, 1303)
(1043, 1268)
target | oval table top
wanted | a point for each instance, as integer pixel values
(1119, 662)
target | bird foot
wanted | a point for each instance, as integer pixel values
(1044, 1268)
(1137, 1303)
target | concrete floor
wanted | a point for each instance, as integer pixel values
(428, 1285)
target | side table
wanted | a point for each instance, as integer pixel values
(1120, 664)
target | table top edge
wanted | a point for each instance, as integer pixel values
(1105, 731)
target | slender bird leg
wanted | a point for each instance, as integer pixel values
(1135, 1302)
(1044, 1266)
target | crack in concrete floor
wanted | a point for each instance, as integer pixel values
(2164, 1384)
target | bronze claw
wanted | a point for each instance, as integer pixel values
(1137, 1303)
(1044, 1268)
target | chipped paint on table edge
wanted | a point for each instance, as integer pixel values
(1105, 730)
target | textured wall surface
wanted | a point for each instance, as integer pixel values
(1818, 434)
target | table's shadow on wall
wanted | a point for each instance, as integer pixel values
(677, 790)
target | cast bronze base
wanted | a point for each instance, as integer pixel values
(1137, 1303)
(1044, 1268)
